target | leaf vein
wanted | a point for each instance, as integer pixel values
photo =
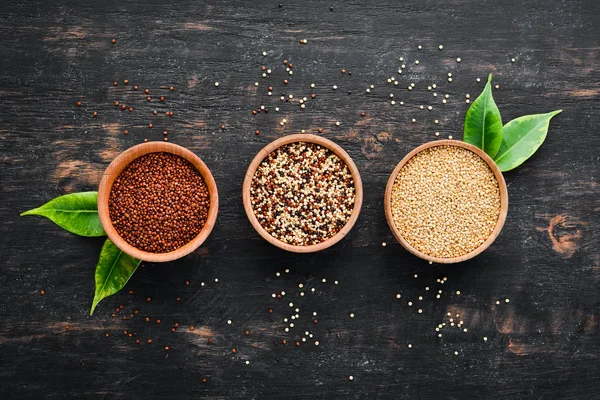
(519, 141)
(110, 272)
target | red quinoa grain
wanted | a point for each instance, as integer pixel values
(302, 194)
(159, 203)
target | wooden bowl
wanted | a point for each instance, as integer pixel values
(119, 164)
(337, 150)
(503, 202)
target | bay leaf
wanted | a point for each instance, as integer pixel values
(112, 272)
(521, 137)
(483, 123)
(75, 212)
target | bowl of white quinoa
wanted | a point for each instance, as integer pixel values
(446, 201)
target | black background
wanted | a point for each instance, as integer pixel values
(543, 344)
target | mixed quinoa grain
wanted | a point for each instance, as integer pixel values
(159, 203)
(445, 201)
(302, 194)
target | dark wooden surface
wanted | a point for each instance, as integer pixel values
(543, 344)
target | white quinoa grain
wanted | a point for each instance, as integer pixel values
(445, 201)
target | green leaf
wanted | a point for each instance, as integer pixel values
(483, 123)
(76, 212)
(112, 272)
(521, 138)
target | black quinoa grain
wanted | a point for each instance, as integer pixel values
(302, 194)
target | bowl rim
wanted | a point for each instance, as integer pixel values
(309, 138)
(119, 164)
(503, 201)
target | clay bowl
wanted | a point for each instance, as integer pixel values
(503, 202)
(337, 150)
(119, 164)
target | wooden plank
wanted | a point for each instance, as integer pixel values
(542, 344)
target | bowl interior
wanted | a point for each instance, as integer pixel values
(501, 216)
(119, 164)
(337, 150)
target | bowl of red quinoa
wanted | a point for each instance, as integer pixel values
(302, 193)
(446, 201)
(157, 201)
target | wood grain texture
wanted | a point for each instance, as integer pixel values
(288, 139)
(543, 344)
